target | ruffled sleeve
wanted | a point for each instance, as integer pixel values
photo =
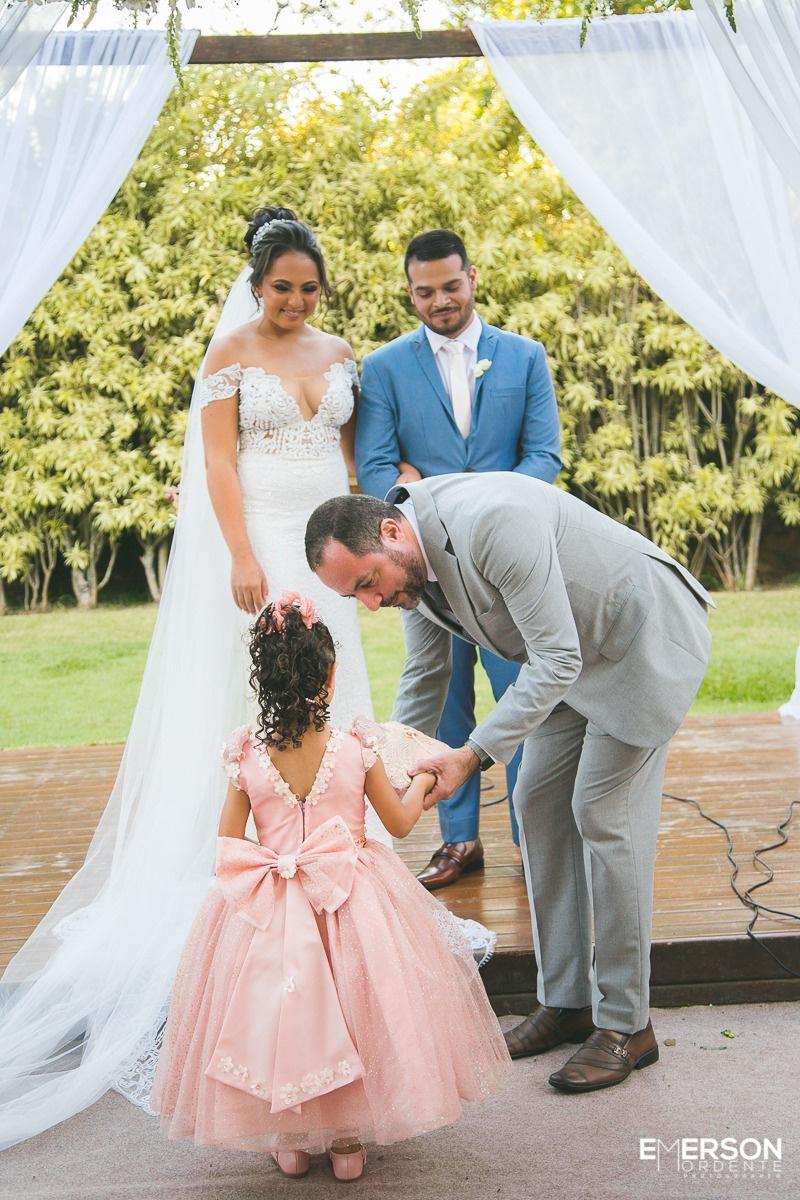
(233, 749)
(401, 749)
(372, 738)
(221, 385)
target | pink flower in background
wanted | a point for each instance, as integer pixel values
(173, 494)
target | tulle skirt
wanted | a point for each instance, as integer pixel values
(411, 996)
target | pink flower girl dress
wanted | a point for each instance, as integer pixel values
(323, 993)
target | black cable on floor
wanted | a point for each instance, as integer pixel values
(486, 786)
(491, 803)
(746, 897)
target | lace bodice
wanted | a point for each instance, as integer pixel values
(270, 420)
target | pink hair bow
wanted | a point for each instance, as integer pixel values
(293, 600)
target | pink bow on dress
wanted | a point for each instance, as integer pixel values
(250, 874)
(284, 1038)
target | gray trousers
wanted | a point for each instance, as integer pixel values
(588, 808)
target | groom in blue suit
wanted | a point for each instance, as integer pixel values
(456, 395)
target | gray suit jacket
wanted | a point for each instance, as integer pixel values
(597, 615)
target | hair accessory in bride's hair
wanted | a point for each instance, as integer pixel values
(259, 236)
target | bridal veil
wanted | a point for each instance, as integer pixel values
(83, 1000)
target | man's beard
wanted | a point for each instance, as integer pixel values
(442, 323)
(413, 584)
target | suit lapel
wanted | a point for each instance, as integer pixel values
(443, 561)
(487, 348)
(427, 364)
(438, 618)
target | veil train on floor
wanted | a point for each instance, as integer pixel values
(82, 999)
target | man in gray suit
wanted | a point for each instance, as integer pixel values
(612, 638)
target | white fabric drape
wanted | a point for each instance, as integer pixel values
(696, 184)
(71, 127)
(23, 28)
(761, 61)
(791, 708)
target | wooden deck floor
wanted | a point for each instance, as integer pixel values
(744, 770)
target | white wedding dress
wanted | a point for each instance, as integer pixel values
(287, 466)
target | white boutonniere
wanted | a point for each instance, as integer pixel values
(482, 366)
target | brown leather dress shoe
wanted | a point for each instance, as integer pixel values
(449, 863)
(546, 1028)
(606, 1058)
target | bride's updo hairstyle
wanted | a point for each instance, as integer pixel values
(275, 231)
(292, 653)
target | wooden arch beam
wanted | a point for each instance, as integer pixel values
(335, 47)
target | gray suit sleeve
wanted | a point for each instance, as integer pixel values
(422, 690)
(518, 558)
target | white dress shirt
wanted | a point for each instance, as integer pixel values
(448, 365)
(407, 509)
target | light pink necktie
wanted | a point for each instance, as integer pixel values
(459, 385)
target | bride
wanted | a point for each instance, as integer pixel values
(278, 419)
(270, 436)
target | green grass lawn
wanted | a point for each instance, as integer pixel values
(71, 678)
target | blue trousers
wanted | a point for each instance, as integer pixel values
(459, 816)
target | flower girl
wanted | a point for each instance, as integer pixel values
(324, 998)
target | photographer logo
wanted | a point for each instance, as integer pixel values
(710, 1157)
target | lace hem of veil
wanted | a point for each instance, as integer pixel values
(136, 1077)
(466, 938)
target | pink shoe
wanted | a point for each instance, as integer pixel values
(292, 1162)
(349, 1164)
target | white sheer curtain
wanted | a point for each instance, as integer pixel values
(23, 28)
(792, 706)
(71, 127)
(696, 183)
(761, 61)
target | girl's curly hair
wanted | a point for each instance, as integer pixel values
(288, 675)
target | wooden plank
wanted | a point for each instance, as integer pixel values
(334, 47)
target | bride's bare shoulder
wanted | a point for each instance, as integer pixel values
(336, 348)
(229, 350)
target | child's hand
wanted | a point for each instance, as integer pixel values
(451, 768)
(428, 780)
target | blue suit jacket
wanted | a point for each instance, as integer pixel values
(405, 414)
